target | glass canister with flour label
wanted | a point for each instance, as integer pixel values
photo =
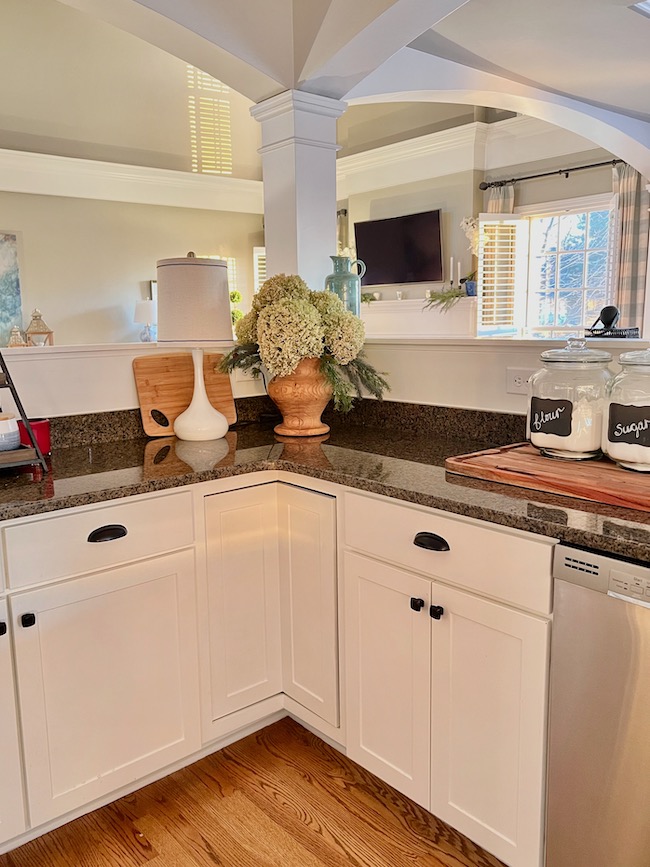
(626, 431)
(567, 401)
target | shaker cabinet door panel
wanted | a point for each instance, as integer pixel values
(308, 597)
(387, 650)
(243, 598)
(488, 711)
(108, 684)
(12, 807)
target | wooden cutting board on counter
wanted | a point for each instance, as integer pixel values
(165, 384)
(600, 481)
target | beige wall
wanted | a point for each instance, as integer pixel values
(75, 86)
(85, 263)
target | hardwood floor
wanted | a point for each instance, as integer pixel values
(278, 798)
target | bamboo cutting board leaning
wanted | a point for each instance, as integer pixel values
(165, 384)
(600, 481)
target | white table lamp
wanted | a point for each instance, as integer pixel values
(194, 308)
(145, 314)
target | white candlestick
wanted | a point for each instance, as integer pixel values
(451, 270)
(459, 272)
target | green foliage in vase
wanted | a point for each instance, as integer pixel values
(289, 322)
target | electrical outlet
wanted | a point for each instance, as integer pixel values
(517, 379)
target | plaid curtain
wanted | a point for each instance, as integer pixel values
(633, 204)
(501, 200)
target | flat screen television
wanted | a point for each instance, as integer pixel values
(400, 249)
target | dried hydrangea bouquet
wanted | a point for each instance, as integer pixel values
(312, 348)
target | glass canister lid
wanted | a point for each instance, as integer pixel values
(576, 352)
(639, 356)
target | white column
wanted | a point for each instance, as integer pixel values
(299, 172)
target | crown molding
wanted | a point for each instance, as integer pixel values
(48, 175)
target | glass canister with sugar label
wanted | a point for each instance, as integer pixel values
(567, 400)
(626, 431)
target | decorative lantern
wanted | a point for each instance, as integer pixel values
(37, 332)
(16, 337)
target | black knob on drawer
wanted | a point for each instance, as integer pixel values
(3, 628)
(431, 542)
(436, 611)
(28, 620)
(417, 604)
(108, 533)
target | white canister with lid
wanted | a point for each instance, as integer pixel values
(567, 401)
(626, 430)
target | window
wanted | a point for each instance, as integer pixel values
(210, 128)
(259, 267)
(546, 271)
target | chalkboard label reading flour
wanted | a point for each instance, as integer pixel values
(629, 424)
(550, 416)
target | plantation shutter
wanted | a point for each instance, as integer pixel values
(210, 123)
(259, 267)
(502, 274)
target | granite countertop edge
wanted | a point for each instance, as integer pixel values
(581, 538)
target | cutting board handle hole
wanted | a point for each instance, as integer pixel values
(162, 454)
(160, 418)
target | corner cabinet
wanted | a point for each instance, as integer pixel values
(12, 808)
(108, 682)
(446, 689)
(271, 605)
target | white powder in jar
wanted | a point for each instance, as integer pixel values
(626, 453)
(586, 430)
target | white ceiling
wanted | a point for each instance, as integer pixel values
(596, 51)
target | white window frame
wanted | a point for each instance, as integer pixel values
(519, 327)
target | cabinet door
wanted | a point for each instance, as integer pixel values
(489, 687)
(12, 808)
(308, 597)
(243, 598)
(107, 680)
(387, 653)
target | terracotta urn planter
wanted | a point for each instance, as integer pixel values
(301, 397)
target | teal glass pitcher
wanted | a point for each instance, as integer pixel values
(346, 283)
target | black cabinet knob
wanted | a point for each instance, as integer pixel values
(417, 604)
(436, 611)
(431, 541)
(3, 628)
(28, 620)
(108, 533)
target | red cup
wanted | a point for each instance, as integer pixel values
(41, 429)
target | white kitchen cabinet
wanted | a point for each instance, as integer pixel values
(388, 673)
(107, 674)
(308, 599)
(446, 698)
(243, 598)
(12, 806)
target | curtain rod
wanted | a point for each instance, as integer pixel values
(484, 185)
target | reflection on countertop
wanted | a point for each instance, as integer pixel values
(396, 463)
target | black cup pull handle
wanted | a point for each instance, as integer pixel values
(431, 542)
(417, 604)
(108, 533)
(28, 620)
(3, 628)
(436, 611)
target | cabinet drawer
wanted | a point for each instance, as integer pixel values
(59, 546)
(508, 565)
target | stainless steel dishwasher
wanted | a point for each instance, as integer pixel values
(598, 810)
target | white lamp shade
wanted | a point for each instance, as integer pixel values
(193, 300)
(145, 312)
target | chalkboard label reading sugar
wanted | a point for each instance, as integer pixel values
(550, 416)
(629, 424)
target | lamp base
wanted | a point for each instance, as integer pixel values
(200, 421)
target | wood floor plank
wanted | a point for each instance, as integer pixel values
(278, 798)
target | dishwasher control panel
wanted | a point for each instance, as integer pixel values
(619, 578)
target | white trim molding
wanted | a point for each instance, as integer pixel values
(48, 175)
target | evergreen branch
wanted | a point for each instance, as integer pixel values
(445, 299)
(244, 356)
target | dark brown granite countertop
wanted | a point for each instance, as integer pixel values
(405, 463)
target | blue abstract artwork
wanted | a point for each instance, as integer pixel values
(10, 304)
